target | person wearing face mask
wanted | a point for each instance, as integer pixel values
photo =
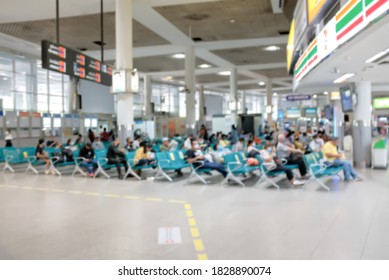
(194, 155)
(268, 155)
(316, 144)
(291, 155)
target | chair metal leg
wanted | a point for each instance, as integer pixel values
(132, 172)
(8, 166)
(78, 169)
(32, 168)
(163, 174)
(101, 170)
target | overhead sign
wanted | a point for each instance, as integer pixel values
(293, 113)
(381, 103)
(298, 97)
(67, 61)
(300, 21)
(318, 8)
(326, 40)
(310, 112)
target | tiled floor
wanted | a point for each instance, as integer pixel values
(112, 219)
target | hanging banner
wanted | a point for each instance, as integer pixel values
(298, 97)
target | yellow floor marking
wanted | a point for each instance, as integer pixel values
(92, 193)
(42, 189)
(75, 192)
(192, 222)
(187, 206)
(131, 197)
(189, 213)
(195, 232)
(27, 188)
(177, 201)
(153, 199)
(199, 246)
(112, 195)
(202, 257)
(57, 190)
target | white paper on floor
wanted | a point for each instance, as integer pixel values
(169, 235)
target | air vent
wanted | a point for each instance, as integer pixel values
(99, 43)
(197, 17)
(82, 49)
(197, 39)
(285, 32)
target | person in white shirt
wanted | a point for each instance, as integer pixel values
(187, 143)
(268, 155)
(136, 142)
(239, 146)
(316, 144)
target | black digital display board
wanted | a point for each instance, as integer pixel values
(56, 57)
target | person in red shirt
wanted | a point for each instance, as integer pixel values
(104, 135)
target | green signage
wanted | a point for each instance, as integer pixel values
(381, 103)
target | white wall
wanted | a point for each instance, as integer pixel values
(214, 104)
(96, 98)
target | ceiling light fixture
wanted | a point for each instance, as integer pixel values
(179, 55)
(168, 78)
(343, 78)
(224, 73)
(272, 48)
(5, 78)
(315, 96)
(204, 66)
(261, 83)
(377, 56)
(232, 20)
(275, 94)
(325, 93)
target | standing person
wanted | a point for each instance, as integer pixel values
(8, 139)
(42, 155)
(204, 132)
(91, 135)
(117, 157)
(88, 163)
(268, 155)
(97, 144)
(291, 155)
(239, 146)
(332, 156)
(104, 135)
(194, 154)
(234, 135)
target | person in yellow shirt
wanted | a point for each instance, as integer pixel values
(332, 156)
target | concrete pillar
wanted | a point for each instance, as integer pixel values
(148, 93)
(191, 90)
(123, 21)
(201, 105)
(362, 124)
(269, 98)
(234, 96)
(244, 111)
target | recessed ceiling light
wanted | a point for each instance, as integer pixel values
(5, 78)
(168, 78)
(343, 78)
(272, 48)
(232, 20)
(261, 83)
(325, 93)
(224, 73)
(203, 66)
(275, 94)
(179, 55)
(315, 96)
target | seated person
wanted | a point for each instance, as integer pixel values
(291, 155)
(238, 146)
(298, 144)
(165, 145)
(42, 155)
(137, 142)
(173, 145)
(79, 143)
(89, 163)
(316, 144)
(144, 155)
(52, 142)
(251, 147)
(224, 142)
(117, 157)
(194, 154)
(129, 145)
(331, 155)
(268, 155)
(104, 135)
(97, 144)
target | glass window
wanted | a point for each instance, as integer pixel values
(42, 103)
(23, 66)
(6, 62)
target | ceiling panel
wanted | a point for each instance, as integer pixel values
(252, 55)
(273, 73)
(79, 32)
(226, 20)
